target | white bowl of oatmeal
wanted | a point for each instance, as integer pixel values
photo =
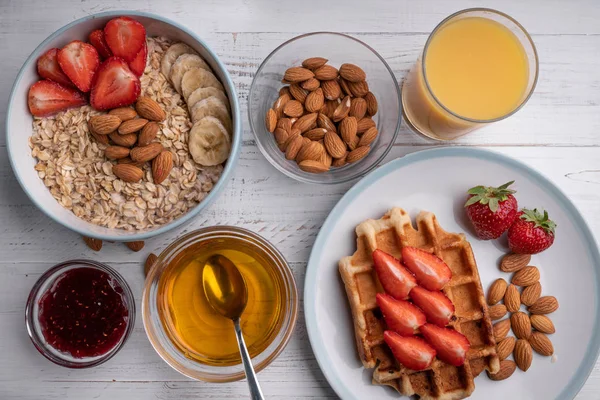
(64, 171)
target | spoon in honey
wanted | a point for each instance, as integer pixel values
(227, 294)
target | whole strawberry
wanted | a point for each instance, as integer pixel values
(491, 210)
(531, 233)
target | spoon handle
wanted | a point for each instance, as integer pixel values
(255, 391)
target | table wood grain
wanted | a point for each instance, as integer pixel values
(558, 133)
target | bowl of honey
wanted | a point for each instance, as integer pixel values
(189, 334)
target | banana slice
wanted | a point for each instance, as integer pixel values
(211, 107)
(196, 78)
(171, 56)
(203, 93)
(183, 64)
(209, 142)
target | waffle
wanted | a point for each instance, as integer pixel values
(440, 381)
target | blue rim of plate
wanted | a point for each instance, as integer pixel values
(584, 369)
(229, 166)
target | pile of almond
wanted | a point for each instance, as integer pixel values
(323, 119)
(130, 134)
(531, 329)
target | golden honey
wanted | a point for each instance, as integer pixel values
(199, 331)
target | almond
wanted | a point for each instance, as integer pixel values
(359, 89)
(305, 122)
(124, 113)
(371, 103)
(497, 311)
(313, 166)
(135, 246)
(297, 74)
(364, 124)
(316, 133)
(368, 137)
(128, 172)
(544, 305)
(293, 147)
(541, 344)
(92, 243)
(116, 152)
(285, 90)
(357, 154)
(149, 109)
(501, 329)
(334, 145)
(496, 291)
(309, 151)
(354, 143)
(281, 135)
(146, 153)
(99, 138)
(523, 354)
(342, 109)
(514, 262)
(148, 134)
(150, 260)
(324, 122)
(358, 108)
(131, 126)
(531, 294)
(123, 140)
(505, 347)
(280, 103)
(330, 106)
(310, 84)
(285, 124)
(293, 108)
(345, 88)
(104, 124)
(352, 73)
(507, 368)
(162, 166)
(331, 89)
(298, 93)
(526, 276)
(271, 120)
(325, 159)
(520, 325)
(128, 160)
(340, 162)
(314, 101)
(512, 299)
(314, 62)
(542, 323)
(347, 129)
(326, 73)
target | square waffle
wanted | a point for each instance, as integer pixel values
(440, 381)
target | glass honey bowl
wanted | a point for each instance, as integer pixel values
(188, 334)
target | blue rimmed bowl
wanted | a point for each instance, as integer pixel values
(19, 122)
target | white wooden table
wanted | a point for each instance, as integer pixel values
(558, 133)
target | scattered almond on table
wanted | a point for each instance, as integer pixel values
(323, 119)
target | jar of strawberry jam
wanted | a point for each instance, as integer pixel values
(80, 313)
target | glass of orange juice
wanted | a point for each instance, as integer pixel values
(478, 66)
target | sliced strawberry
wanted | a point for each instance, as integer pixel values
(125, 37)
(79, 61)
(46, 98)
(451, 346)
(394, 277)
(114, 85)
(400, 316)
(410, 351)
(138, 65)
(437, 307)
(431, 271)
(97, 40)
(48, 68)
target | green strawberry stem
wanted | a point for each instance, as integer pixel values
(540, 220)
(492, 196)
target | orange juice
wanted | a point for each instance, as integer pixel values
(476, 70)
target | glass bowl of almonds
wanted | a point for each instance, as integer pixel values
(325, 108)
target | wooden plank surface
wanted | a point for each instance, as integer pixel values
(558, 133)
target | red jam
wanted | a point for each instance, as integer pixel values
(83, 313)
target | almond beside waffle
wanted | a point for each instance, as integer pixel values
(322, 97)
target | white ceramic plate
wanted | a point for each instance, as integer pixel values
(436, 180)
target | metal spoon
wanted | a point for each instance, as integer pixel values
(226, 292)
